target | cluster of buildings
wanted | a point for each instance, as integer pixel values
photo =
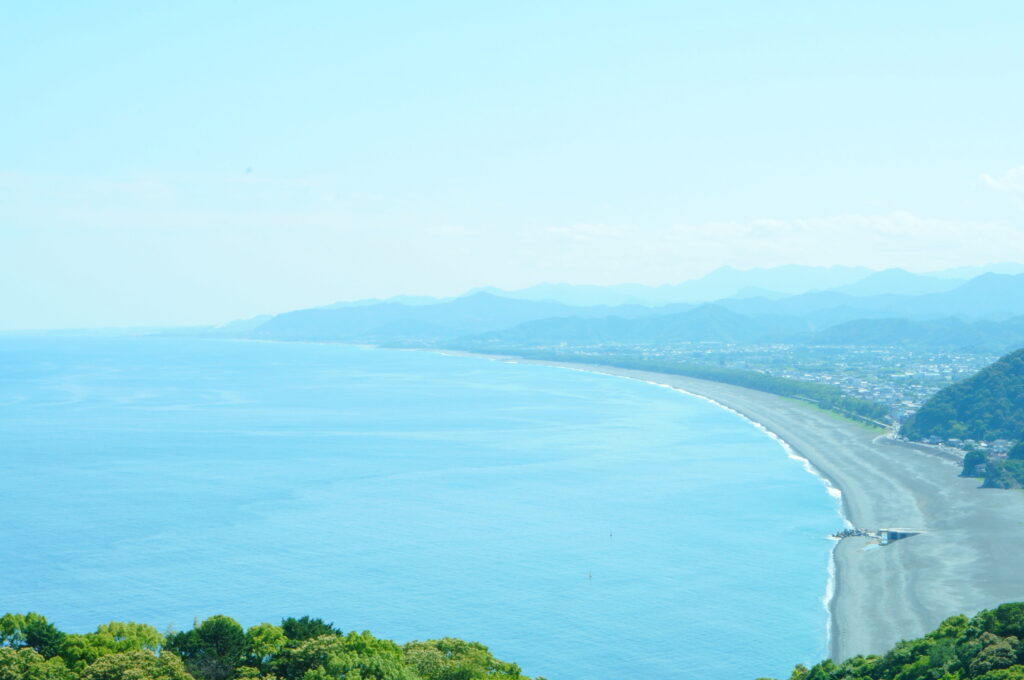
(900, 378)
(996, 449)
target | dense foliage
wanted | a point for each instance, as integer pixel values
(997, 472)
(219, 648)
(828, 397)
(986, 647)
(986, 406)
(1003, 474)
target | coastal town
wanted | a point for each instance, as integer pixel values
(901, 379)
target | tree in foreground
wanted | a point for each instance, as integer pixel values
(986, 647)
(136, 666)
(219, 648)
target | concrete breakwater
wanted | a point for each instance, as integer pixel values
(883, 536)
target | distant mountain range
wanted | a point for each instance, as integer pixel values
(983, 314)
(950, 333)
(989, 296)
(776, 282)
(393, 322)
(733, 284)
(721, 283)
(899, 282)
(705, 323)
(712, 323)
(893, 307)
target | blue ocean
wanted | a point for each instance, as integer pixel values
(587, 527)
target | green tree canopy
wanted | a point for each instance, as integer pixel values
(211, 650)
(28, 664)
(139, 665)
(110, 638)
(307, 628)
(31, 630)
(219, 649)
(356, 655)
(989, 405)
(262, 643)
(454, 659)
(985, 647)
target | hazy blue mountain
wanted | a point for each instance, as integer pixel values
(984, 308)
(990, 296)
(714, 323)
(788, 280)
(394, 322)
(240, 328)
(707, 323)
(728, 283)
(828, 318)
(410, 300)
(721, 283)
(972, 272)
(242, 325)
(586, 295)
(797, 305)
(986, 296)
(748, 292)
(899, 282)
(950, 333)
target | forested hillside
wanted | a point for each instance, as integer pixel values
(987, 406)
(985, 647)
(219, 648)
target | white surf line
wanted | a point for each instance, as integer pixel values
(830, 488)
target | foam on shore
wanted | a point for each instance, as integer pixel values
(831, 488)
(878, 597)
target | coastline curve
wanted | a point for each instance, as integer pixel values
(878, 597)
(830, 488)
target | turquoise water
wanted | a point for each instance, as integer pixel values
(585, 526)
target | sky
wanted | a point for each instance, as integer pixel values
(169, 163)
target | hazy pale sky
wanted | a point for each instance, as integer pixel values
(195, 162)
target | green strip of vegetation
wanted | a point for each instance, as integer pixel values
(827, 397)
(219, 648)
(869, 425)
(985, 647)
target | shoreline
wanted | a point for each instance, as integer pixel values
(831, 584)
(875, 598)
(830, 488)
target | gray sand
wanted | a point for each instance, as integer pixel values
(967, 559)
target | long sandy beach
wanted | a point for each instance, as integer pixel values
(966, 559)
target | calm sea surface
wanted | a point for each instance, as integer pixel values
(585, 526)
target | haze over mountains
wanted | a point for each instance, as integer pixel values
(776, 282)
(787, 305)
(381, 322)
(721, 283)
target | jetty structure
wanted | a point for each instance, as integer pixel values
(883, 536)
(887, 536)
